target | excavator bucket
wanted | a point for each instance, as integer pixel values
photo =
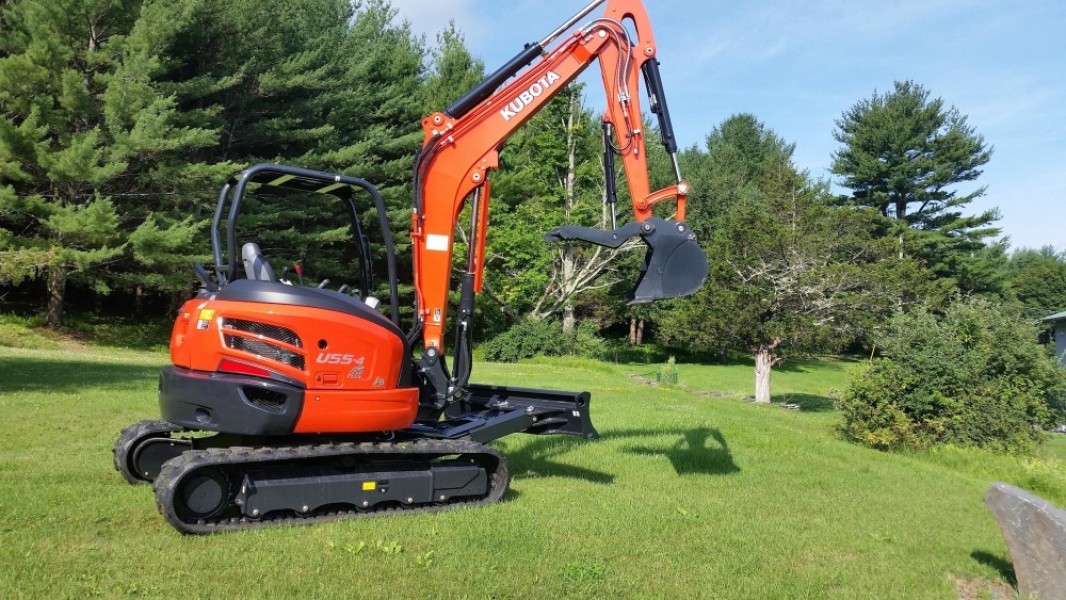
(674, 264)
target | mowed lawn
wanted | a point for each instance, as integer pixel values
(687, 495)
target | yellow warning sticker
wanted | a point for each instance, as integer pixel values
(206, 314)
(369, 486)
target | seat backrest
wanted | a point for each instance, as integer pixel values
(255, 266)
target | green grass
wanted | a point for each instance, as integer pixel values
(810, 383)
(685, 496)
(116, 332)
(20, 332)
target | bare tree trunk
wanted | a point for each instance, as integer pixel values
(763, 364)
(640, 331)
(567, 258)
(177, 299)
(57, 283)
(569, 185)
(632, 331)
(569, 321)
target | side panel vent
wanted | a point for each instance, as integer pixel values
(237, 335)
(267, 400)
(274, 332)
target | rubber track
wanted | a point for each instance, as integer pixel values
(176, 469)
(128, 439)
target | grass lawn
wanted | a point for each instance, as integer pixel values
(685, 496)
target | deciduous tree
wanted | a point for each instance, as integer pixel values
(788, 272)
(550, 175)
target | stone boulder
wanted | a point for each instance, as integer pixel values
(1035, 532)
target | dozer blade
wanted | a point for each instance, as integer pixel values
(674, 265)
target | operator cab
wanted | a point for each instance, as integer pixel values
(263, 286)
(262, 283)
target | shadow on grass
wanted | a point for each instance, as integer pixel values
(536, 459)
(23, 374)
(1002, 565)
(806, 402)
(693, 453)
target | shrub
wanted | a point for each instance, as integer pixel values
(974, 376)
(544, 337)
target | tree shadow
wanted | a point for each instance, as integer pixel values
(806, 402)
(1003, 566)
(691, 454)
(26, 374)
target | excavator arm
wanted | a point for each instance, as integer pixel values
(461, 146)
(318, 416)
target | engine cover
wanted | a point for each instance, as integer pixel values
(347, 361)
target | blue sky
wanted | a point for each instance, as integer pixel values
(797, 65)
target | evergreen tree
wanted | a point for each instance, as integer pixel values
(453, 71)
(903, 153)
(1037, 279)
(80, 119)
(332, 88)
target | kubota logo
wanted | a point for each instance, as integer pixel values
(526, 98)
(332, 358)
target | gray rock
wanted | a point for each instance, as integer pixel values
(1035, 532)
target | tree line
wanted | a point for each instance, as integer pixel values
(120, 120)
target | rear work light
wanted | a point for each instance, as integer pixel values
(232, 366)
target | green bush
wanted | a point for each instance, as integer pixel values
(974, 376)
(544, 337)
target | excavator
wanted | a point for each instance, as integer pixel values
(290, 404)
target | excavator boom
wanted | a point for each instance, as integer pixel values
(460, 149)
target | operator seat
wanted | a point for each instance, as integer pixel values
(255, 266)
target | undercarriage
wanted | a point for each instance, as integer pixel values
(208, 482)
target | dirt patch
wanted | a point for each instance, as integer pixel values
(983, 589)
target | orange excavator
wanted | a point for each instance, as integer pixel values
(293, 404)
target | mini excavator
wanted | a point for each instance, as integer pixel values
(289, 404)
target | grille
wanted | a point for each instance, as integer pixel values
(276, 332)
(264, 349)
(268, 400)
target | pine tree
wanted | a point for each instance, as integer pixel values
(453, 70)
(79, 119)
(903, 153)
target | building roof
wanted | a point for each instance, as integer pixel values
(1055, 317)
